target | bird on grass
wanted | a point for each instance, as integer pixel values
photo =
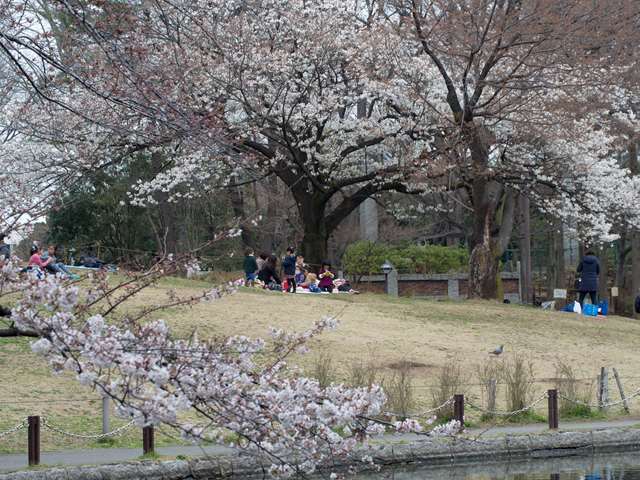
(498, 351)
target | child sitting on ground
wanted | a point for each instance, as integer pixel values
(36, 263)
(310, 282)
(326, 278)
(300, 271)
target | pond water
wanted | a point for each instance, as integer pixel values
(611, 467)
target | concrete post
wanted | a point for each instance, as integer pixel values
(392, 283)
(453, 288)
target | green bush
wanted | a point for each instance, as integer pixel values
(365, 258)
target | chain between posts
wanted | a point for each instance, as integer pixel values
(604, 405)
(18, 427)
(55, 429)
(506, 414)
(422, 414)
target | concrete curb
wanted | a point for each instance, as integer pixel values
(432, 453)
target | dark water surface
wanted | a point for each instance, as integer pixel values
(610, 467)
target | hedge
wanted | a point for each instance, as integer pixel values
(365, 258)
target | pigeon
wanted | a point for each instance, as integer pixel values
(497, 351)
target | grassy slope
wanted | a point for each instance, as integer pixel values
(427, 332)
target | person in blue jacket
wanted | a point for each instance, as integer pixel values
(589, 270)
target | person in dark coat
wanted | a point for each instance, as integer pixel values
(268, 273)
(250, 267)
(5, 249)
(589, 270)
(289, 269)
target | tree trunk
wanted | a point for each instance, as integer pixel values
(483, 272)
(635, 234)
(483, 265)
(603, 287)
(166, 233)
(315, 238)
(270, 225)
(314, 244)
(526, 276)
(635, 269)
(494, 218)
(238, 206)
(621, 258)
(556, 265)
(485, 198)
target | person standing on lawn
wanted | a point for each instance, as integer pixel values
(289, 269)
(250, 267)
(589, 270)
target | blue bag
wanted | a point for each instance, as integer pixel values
(589, 309)
(604, 307)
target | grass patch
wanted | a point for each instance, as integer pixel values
(582, 412)
(150, 456)
(425, 333)
(527, 417)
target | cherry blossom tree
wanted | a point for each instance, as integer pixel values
(264, 87)
(523, 101)
(204, 388)
(295, 92)
(488, 99)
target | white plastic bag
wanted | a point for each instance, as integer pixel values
(577, 308)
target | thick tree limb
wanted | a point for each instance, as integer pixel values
(14, 332)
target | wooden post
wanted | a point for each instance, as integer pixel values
(105, 415)
(458, 409)
(625, 403)
(147, 440)
(492, 388)
(33, 440)
(552, 396)
(603, 389)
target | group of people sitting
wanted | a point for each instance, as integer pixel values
(47, 261)
(263, 272)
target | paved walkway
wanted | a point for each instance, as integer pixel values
(115, 455)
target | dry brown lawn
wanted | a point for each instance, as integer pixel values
(429, 334)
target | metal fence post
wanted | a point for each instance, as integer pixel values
(458, 409)
(552, 396)
(33, 440)
(147, 440)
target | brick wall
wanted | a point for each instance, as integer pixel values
(417, 288)
(436, 286)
